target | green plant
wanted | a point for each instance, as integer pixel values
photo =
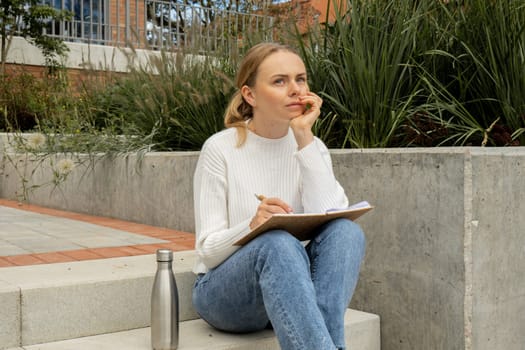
(23, 154)
(422, 73)
(27, 99)
(474, 77)
(178, 100)
(28, 19)
(362, 66)
(392, 73)
(65, 132)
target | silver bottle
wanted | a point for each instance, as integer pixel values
(164, 305)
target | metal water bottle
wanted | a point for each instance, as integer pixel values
(164, 305)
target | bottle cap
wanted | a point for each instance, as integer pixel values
(164, 255)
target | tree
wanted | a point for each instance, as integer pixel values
(179, 22)
(28, 19)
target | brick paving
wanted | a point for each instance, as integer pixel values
(100, 238)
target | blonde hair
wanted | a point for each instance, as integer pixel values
(238, 110)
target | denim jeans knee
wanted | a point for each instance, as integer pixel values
(269, 279)
(347, 232)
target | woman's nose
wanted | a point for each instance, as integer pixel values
(295, 88)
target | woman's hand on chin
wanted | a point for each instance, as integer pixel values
(302, 124)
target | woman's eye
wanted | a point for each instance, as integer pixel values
(279, 82)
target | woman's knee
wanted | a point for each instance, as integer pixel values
(278, 246)
(277, 240)
(345, 233)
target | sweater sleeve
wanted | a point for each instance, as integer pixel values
(320, 189)
(214, 238)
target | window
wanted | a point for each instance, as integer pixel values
(88, 22)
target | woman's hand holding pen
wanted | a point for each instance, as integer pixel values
(267, 208)
(302, 125)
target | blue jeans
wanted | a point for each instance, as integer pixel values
(303, 292)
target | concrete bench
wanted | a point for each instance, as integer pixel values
(105, 304)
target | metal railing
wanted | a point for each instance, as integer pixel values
(155, 24)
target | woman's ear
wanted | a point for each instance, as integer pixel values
(248, 95)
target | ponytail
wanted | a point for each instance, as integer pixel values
(236, 115)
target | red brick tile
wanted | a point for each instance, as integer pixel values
(72, 216)
(109, 252)
(83, 254)
(53, 257)
(185, 244)
(99, 220)
(10, 204)
(178, 240)
(188, 245)
(111, 222)
(149, 248)
(171, 236)
(154, 230)
(131, 250)
(102, 221)
(181, 238)
(150, 233)
(5, 263)
(145, 231)
(26, 259)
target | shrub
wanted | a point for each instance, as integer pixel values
(393, 73)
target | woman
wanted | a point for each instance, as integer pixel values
(300, 289)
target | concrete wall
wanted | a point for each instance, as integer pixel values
(90, 56)
(157, 191)
(446, 244)
(81, 56)
(10, 315)
(413, 275)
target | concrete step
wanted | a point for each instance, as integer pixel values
(53, 302)
(362, 331)
(50, 302)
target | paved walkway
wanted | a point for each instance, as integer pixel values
(31, 234)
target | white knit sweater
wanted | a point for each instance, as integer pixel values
(227, 178)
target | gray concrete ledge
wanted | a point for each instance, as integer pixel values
(446, 249)
(76, 299)
(104, 304)
(87, 56)
(362, 331)
(9, 315)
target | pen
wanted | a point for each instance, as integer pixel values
(260, 197)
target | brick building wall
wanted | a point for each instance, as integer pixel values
(304, 14)
(118, 18)
(117, 15)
